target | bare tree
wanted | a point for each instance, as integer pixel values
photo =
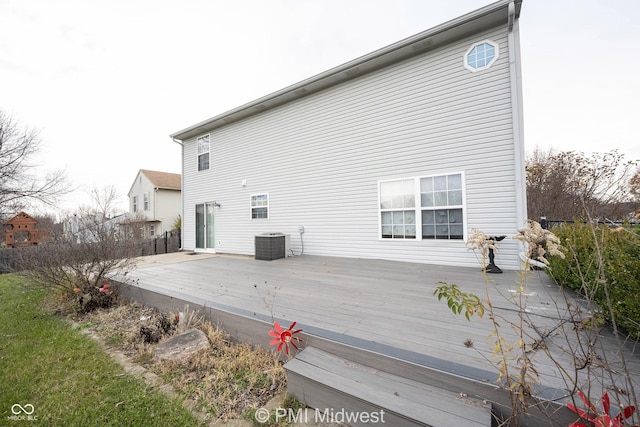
(19, 185)
(105, 199)
(570, 185)
(634, 185)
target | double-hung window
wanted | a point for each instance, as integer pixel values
(260, 206)
(203, 153)
(398, 209)
(422, 208)
(441, 206)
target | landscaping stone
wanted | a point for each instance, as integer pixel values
(181, 347)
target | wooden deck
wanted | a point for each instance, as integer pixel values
(385, 307)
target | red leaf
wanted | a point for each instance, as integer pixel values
(606, 403)
(626, 413)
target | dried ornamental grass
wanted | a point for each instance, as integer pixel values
(481, 242)
(540, 242)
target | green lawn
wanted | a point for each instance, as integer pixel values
(67, 377)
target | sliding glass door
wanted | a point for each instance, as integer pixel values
(204, 226)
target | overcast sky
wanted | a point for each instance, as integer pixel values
(106, 82)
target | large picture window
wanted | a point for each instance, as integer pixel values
(203, 153)
(430, 207)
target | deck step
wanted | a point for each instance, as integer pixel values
(332, 384)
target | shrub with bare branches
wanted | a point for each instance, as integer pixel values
(567, 185)
(81, 264)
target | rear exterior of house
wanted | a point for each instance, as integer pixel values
(395, 155)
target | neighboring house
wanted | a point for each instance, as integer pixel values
(395, 155)
(93, 228)
(155, 201)
(21, 231)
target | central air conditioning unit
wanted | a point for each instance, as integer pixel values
(270, 246)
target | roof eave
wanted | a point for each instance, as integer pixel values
(486, 17)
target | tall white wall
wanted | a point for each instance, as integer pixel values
(321, 157)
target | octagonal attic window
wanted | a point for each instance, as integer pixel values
(481, 56)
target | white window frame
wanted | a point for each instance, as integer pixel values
(253, 205)
(152, 230)
(135, 204)
(418, 208)
(401, 209)
(202, 151)
(473, 69)
(145, 197)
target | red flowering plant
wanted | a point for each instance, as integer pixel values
(284, 337)
(601, 420)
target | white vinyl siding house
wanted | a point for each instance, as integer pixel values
(155, 201)
(400, 162)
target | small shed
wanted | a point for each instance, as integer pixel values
(21, 231)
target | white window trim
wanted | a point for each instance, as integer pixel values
(198, 153)
(251, 207)
(418, 209)
(495, 57)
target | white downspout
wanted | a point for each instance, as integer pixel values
(177, 141)
(515, 75)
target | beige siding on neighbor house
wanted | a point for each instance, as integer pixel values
(168, 205)
(320, 159)
(164, 204)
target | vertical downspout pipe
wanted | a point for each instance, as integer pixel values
(177, 141)
(515, 75)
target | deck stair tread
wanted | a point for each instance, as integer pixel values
(411, 402)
